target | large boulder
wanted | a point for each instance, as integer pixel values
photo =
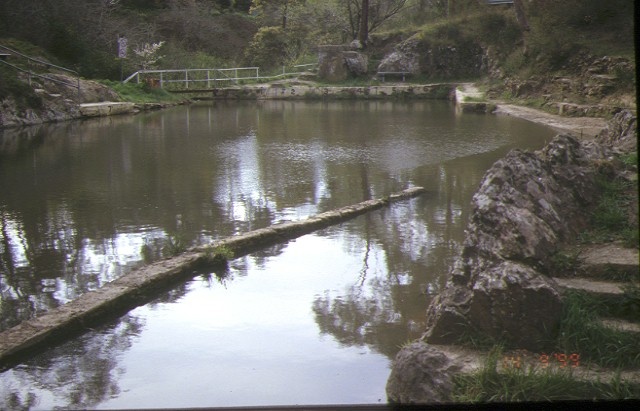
(339, 62)
(439, 59)
(621, 132)
(526, 206)
(423, 374)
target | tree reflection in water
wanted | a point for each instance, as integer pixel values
(80, 374)
(91, 196)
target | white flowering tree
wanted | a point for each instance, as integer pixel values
(147, 54)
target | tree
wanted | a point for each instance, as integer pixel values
(274, 9)
(520, 15)
(363, 31)
(366, 16)
(146, 55)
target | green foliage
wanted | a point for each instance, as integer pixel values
(21, 92)
(271, 47)
(218, 255)
(66, 43)
(174, 244)
(565, 264)
(560, 29)
(498, 30)
(609, 220)
(630, 160)
(609, 215)
(534, 384)
(581, 331)
(140, 93)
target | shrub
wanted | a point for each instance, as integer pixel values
(270, 48)
(12, 87)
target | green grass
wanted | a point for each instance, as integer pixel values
(581, 332)
(218, 255)
(174, 244)
(630, 160)
(565, 264)
(610, 221)
(534, 384)
(141, 93)
(20, 91)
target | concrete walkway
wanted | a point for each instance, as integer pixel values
(469, 98)
(578, 126)
(106, 108)
(468, 91)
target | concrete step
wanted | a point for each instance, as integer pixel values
(603, 262)
(107, 108)
(610, 261)
(597, 288)
(622, 325)
(472, 360)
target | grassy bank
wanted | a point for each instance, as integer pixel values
(494, 383)
(142, 93)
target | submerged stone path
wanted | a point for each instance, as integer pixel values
(142, 285)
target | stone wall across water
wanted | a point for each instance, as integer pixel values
(442, 91)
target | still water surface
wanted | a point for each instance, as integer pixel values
(316, 320)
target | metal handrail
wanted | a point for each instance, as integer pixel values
(219, 75)
(186, 72)
(46, 64)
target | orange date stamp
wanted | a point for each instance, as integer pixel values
(562, 360)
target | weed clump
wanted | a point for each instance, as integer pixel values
(218, 255)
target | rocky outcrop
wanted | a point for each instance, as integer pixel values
(59, 101)
(423, 373)
(621, 132)
(527, 206)
(436, 59)
(601, 84)
(338, 62)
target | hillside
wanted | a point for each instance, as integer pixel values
(576, 57)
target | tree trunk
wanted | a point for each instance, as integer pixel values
(285, 10)
(520, 15)
(363, 33)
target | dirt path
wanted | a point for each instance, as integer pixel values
(587, 127)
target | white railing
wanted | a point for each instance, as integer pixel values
(211, 78)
